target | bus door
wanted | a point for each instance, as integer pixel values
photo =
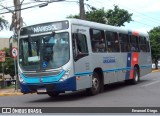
(82, 65)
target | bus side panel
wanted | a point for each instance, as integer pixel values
(83, 74)
(122, 65)
(114, 66)
(100, 60)
(109, 77)
(145, 63)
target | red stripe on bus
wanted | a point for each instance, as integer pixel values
(134, 61)
(135, 33)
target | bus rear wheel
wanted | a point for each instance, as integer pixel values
(53, 94)
(136, 78)
(95, 89)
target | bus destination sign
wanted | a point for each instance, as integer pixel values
(45, 27)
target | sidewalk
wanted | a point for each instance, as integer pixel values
(10, 92)
(158, 70)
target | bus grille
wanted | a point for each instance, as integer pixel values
(41, 74)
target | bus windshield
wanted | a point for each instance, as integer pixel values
(44, 52)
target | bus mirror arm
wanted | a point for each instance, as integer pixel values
(29, 37)
(10, 44)
(53, 34)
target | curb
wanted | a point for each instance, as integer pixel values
(156, 71)
(11, 94)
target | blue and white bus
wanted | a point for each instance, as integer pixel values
(73, 54)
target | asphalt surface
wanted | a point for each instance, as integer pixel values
(144, 94)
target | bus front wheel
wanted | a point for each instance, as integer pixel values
(95, 89)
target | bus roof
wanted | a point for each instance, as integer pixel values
(107, 27)
(98, 26)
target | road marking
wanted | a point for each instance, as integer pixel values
(150, 83)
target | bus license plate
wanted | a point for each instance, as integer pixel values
(41, 90)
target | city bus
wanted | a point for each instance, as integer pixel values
(73, 54)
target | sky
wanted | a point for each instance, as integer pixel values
(146, 13)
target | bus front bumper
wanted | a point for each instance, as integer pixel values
(61, 86)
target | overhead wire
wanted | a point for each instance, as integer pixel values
(89, 6)
(130, 9)
(70, 1)
(63, 1)
(22, 8)
(18, 5)
(151, 18)
(37, 5)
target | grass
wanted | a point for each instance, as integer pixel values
(2, 86)
(9, 87)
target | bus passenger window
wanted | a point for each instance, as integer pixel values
(143, 44)
(148, 46)
(79, 44)
(124, 42)
(134, 43)
(133, 49)
(82, 43)
(112, 42)
(97, 40)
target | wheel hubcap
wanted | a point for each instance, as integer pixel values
(95, 83)
(136, 77)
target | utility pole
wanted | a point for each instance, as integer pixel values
(82, 10)
(17, 20)
(16, 25)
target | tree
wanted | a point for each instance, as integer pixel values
(155, 44)
(3, 23)
(98, 16)
(8, 64)
(115, 17)
(118, 17)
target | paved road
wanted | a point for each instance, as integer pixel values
(144, 94)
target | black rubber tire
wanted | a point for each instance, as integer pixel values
(136, 77)
(95, 89)
(53, 94)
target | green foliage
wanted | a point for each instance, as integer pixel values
(155, 44)
(96, 16)
(3, 23)
(116, 17)
(8, 64)
(74, 16)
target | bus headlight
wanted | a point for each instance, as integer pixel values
(65, 76)
(21, 79)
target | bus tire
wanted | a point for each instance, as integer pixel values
(53, 94)
(136, 77)
(95, 89)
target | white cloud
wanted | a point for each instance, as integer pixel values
(137, 5)
(137, 18)
(155, 7)
(49, 13)
(6, 34)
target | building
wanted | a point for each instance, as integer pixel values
(4, 43)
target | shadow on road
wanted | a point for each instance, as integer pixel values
(79, 95)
